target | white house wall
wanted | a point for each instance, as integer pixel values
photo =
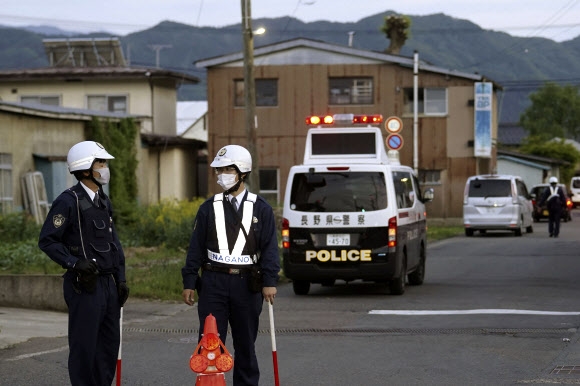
(529, 174)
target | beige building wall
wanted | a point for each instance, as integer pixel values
(41, 136)
(74, 94)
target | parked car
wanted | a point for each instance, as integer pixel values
(575, 191)
(541, 212)
(497, 202)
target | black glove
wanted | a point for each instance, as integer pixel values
(86, 267)
(123, 292)
(87, 274)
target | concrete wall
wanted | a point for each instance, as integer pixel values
(43, 292)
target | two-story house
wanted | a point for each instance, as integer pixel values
(46, 107)
(302, 77)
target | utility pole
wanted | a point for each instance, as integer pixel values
(250, 94)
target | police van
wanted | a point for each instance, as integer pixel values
(351, 210)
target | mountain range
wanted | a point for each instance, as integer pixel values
(519, 65)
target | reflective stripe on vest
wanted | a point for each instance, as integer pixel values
(220, 223)
(554, 191)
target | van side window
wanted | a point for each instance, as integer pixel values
(404, 191)
(522, 190)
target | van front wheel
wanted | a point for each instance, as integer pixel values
(301, 287)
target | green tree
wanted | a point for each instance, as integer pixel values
(554, 112)
(557, 149)
(397, 29)
(119, 140)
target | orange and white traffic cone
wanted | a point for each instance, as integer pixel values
(211, 358)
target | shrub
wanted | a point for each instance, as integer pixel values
(18, 226)
(168, 223)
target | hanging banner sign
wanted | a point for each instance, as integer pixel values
(483, 119)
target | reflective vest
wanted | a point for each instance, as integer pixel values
(235, 256)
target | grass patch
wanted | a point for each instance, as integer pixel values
(435, 233)
(154, 273)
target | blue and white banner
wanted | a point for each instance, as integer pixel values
(483, 108)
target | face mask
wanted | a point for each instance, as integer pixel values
(105, 176)
(226, 181)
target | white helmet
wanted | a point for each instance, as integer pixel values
(553, 180)
(233, 155)
(82, 155)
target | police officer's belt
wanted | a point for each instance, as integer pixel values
(231, 271)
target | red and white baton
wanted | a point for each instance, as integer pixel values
(120, 348)
(273, 336)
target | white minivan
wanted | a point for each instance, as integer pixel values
(575, 191)
(352, 211)
(497, 202)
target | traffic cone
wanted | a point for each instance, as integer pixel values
(211, 358)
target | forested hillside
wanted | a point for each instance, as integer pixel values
(520, 65)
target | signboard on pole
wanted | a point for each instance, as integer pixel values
(483, 119)
(393, 124)
(394, 141)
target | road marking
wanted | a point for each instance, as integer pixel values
(35, 354)
(491, 311)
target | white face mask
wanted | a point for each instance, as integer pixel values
(226, 181)
(105, 176)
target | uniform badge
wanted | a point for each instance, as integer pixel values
(58, 220)
(255, 220)
(222, 151)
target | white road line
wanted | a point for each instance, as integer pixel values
(34, 354)
(470, 312)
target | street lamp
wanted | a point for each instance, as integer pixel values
(250, 93)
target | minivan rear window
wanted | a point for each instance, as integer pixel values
(490, 188)
(338, 192)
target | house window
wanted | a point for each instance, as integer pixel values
(266, 92)
(51, 100)
(431, 101)
(350, 91)
(430, 177)
(6, 188)
(113, 103)
(270, 185)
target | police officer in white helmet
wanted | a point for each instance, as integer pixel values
(234, 243)
(79, 235)
(555, 201)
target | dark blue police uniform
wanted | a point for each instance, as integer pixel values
(224, 289)
(555, 204)
(93, 327)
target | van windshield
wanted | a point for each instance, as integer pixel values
(338, 192)
(576, 183)
(490, 188)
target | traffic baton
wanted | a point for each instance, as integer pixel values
(120, 348)
(273, 336)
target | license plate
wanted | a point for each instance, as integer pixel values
(545, 213)
(338, 239)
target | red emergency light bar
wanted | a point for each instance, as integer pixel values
(344, 119)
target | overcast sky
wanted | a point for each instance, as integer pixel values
(558, 20)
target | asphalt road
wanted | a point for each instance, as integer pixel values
(495, 309)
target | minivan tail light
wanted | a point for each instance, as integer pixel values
(285, 233)
(392, 241)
